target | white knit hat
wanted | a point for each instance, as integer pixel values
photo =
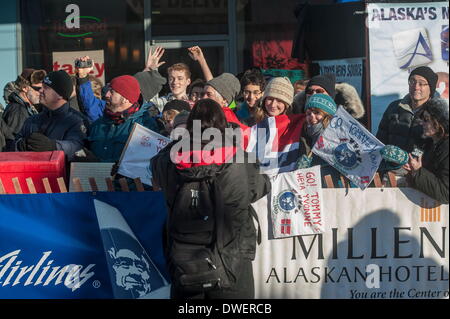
(280, 88)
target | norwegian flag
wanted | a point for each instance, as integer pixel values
(286, 226)
(276, 141)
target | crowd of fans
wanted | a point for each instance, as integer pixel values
(91, 123)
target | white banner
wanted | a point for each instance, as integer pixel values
(377, 243)
(403, 36)
(350, 148)
(141, 146)
(296, 203)
(346, 70)
(65, 61)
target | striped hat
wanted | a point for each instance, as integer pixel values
(280, 88)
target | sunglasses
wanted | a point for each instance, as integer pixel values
(36, 88)
(315, 91)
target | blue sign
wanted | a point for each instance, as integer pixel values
(59, 246)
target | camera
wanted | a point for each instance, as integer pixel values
(83, 64)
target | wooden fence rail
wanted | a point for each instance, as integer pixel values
(391, 182)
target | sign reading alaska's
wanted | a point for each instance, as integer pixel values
(402, 37)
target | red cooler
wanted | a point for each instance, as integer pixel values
(37, 165)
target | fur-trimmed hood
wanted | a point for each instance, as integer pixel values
(346, 95)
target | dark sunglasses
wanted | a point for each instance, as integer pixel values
(316, 91)
(36, 88)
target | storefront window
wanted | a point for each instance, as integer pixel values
(110, 30)
(266, 33)
(189, 17)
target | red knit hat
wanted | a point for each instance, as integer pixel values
(127, 86)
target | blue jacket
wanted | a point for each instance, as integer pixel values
(93, 107)
(107, 139)
(65, 125)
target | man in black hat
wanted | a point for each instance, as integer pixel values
(58, 126)
(400, 125)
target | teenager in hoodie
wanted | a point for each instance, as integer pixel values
(239, 182)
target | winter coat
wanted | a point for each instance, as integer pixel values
(5, 134)
(17, 112)
(107, 139)
(346, 95)
(401, 127)
(91, 106)
(65, 125)
(433, 177)
(240, 184)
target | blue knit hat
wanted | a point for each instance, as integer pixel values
(323, 102)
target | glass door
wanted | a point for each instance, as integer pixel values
(178, 25)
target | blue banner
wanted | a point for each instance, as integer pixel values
(81, 245)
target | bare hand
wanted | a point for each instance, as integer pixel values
(414, 163)
(153, 59)
(84, 72)
(196, 53)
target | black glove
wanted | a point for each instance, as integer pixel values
(38, 142)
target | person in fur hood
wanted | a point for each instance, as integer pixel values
(342, 93)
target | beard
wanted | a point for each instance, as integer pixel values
(114, 107)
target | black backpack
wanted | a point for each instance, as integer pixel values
(202, 253)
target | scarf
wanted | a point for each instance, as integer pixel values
(120, 117)
(314, 131)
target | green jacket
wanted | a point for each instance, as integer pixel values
(107, 139)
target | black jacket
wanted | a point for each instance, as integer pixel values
(241, 185)
(401, 127)
(17, 112)
(432, 179)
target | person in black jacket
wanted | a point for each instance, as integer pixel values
(430, 173)
(239, 182)
(22, 102)
(58, 126)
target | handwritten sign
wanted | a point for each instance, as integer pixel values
(350, 148)
(141, 146)
(296, 203)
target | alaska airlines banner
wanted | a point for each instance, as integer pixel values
(403, 36)
(77, 245)
(377, 243)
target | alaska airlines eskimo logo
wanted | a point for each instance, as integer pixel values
(412, 48)
(73, 276)
(286, 202)
(132, 272)
(347, 154)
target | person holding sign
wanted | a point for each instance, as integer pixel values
(429, 173)
(319, 111)
(109, 133)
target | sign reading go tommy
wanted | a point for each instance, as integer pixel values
(376, 244)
